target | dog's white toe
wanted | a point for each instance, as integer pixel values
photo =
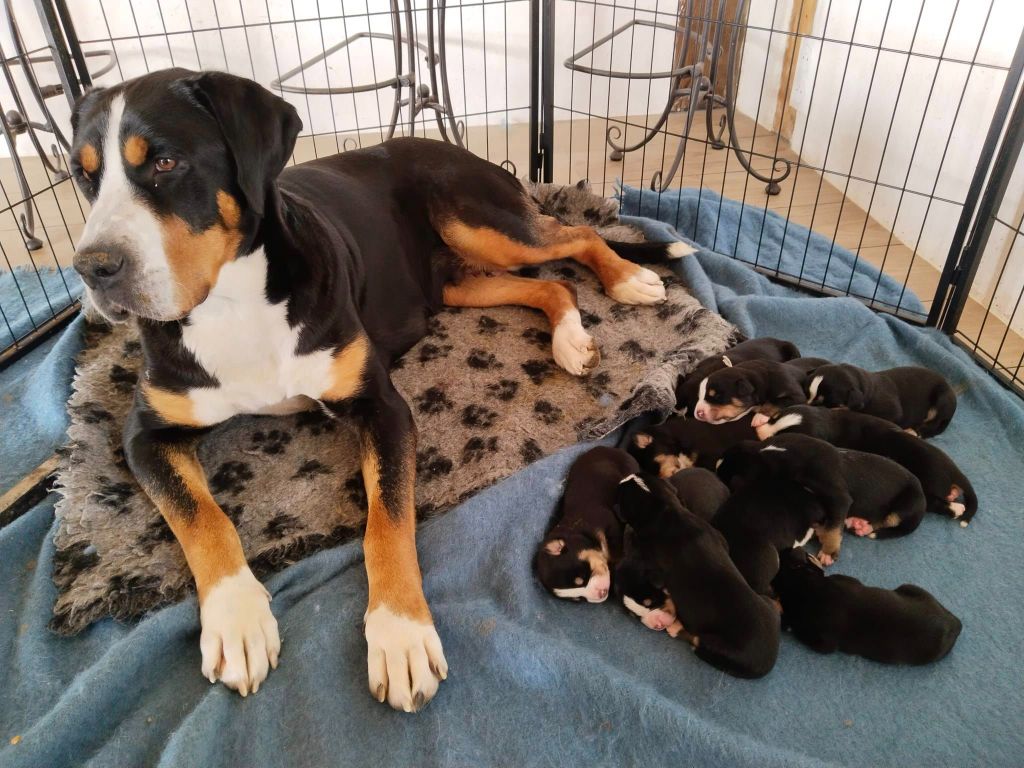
(239, 641)
(405, 661)
(642, 287)
(572, 347)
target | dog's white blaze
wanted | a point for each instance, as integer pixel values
(635, 479)
(119, 217)
(773, 448)
(784, 423)
(634, 607)
(246, 343)
(805, 539)
(679, 249)
(726, 361)
(570, 592)
(812, 390)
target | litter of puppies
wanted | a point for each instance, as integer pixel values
(699, 530)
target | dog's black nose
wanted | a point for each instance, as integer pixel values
(99, 266)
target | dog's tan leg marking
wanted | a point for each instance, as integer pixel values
(572, 347)
(175, 408)
(347, 369)
(831, 539)
(405, 660)
(624, 281)
(239, 640)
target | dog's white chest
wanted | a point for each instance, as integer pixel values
(245, 342)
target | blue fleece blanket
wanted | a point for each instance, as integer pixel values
(535, 681)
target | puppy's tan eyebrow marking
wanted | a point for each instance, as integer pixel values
(89, 158)
(135, 150)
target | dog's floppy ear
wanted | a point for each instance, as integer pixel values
(259, 129)
(744, 387)
(855, 398)
(554, 547)
(82, 105)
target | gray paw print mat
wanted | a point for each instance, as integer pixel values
(487, 397)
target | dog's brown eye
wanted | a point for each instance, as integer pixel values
(164, 164)
(579, 581)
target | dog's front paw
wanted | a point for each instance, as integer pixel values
(405, 661)
(826, 559)
(859, 526)
(572, 347)
(239, 641)
(642, 287)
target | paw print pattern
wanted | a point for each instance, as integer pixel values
(589, 319)
(280, 526)
(482, 360)
(317, 422)
(91, 413)
(488, 326)
(431, 464)
(478, 416)
(113, 494)
(156, 532)
(538, 338)
(597, 384)
(537, 370)
(530, 451)
(623, 311)
(503, 389)
(669, 309)
(566, 272)
(311, 468)
(430, 352)
(549, 413)
(436, 329)
(234, 512)
(230, 477)
(433, 400)
(528, 271)
(355, 490)
(272, 442)
(635, 352)
(477, 448)
(123, 379)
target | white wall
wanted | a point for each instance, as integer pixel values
(894, 128)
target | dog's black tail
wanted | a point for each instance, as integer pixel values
(912, 506)
(651, 253)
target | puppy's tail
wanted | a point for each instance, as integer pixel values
(651, 253)
(913, 505)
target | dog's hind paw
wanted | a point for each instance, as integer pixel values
(572, 347)
(239, 641)
(859, 526)
(404, 659)
(642, 287)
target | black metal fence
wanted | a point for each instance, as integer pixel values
(879, 137)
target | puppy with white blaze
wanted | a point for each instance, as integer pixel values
(264, 290)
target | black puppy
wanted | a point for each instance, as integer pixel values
(905, 625)
(756, 385)
(728, 625)
(680, 443)
(814, 466)
(641, 587)
(887, 500)
(688, 387)
(576, 557)
(700, 491)
(912, 397)
(946, 489)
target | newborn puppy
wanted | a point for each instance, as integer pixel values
(640, 585)
(700, 491)
(575, 559)
(947, 490)
(756, 385)
(813, 465)
(887, 500)
(680, 443)
(912, 397)
(905, 625)
(728, 625)
(687, 387)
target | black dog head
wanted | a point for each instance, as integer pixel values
(574, 565)
(177, 166)
(645, 502)
(726, 395)
(835, 386)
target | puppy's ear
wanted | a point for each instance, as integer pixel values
(855, 399)
(83, 104)
(642, 439)
(744, 387)
(554, 547)
(259, 129)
